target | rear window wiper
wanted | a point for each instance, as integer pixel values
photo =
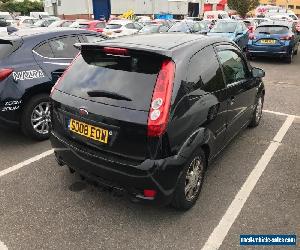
(107, 94)
(264, 32)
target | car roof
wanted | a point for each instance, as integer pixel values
(276, 23)
(22, 33)
(120, 21)
(163, 43)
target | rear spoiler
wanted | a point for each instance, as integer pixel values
(130, 47)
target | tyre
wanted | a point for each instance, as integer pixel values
(190, 183)
(257, 115)
(36, 119)
(289, 59)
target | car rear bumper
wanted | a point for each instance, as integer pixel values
(159, 175)
(9, 118)
(278, 51)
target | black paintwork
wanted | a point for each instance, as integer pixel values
(18, 92)
(198, 118)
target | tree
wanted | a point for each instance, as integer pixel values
(24, 7)
(242, 7)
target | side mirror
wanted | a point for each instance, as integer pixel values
(258, 73)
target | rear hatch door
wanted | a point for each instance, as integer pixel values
(112, 92)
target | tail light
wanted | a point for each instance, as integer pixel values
(252, 36)
(161, 100)
(63, 75)
(287, 38)
(4, 73)
(115, 51)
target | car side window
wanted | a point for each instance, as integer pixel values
(44, 50)
(233, 65)
(163, 29)
(64, 47)
(137, 26)
(93, 39)
(66, 24)
(204, 72)
(129, 26)
(100, 25)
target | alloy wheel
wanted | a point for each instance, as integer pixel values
(40, 118)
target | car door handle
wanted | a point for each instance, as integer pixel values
(232, 100)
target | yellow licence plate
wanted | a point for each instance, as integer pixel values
(89, 131)
(268, 41)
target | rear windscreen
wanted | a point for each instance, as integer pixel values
(132, 77)
(269, 30)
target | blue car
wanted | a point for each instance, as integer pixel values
(237, 31)
(274, 39)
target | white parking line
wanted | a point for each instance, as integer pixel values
(217, 237)
(279, 113)
(2, 246)
(25, 163)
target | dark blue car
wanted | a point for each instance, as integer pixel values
(276, 39)
(31, 61)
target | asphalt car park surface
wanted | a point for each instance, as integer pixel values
(43, 206)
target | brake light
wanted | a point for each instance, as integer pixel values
(115, 51)
(287, 38)
(63, 75)
(149, 193)
(161, 100)
(4, 73)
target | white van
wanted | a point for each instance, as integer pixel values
(215, 15)
(5, 16)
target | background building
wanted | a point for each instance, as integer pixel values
(289, 4)
(73, 9)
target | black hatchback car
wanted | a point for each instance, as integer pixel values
(147, 114)
(31, 61)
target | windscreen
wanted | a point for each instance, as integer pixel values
(150, 29)
(224, 27)
(129, 80)
(180, 27)
(272, 30)
(113, 26)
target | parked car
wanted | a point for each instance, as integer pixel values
(122, 27)
(31, 61)
(153, 28)
(275, 38)
(61, 23)
(25, 21)
(234, 30)
(95, 25)
(259, 20)
(188, 26)
(6, 17)
(43, 23)
(197, 92)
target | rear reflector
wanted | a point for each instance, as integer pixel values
(4, 73)
(161, 100)
(149, 193)
(115, 51)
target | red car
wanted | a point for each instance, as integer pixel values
(95, 25)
